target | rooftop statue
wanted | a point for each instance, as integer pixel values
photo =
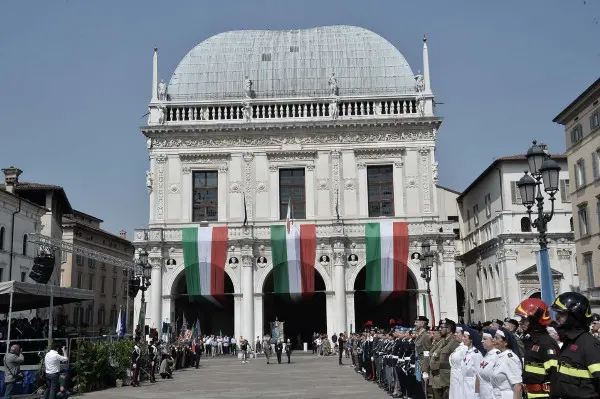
(333, 85)
(162, 91)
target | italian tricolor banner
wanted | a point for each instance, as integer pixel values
(387, 256)
(294, 249)
(204, 256)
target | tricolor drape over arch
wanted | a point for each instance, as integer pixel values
(204, 257)
(386, 256)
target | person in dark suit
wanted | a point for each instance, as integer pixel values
(341, 343)
(279, 350)
(288, 350)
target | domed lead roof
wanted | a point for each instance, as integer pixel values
(291, 63)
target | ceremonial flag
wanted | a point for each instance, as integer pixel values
(545, 274)
(245, 212)
(119, 325)
(294, 250)
(204, 255)
(387, 256)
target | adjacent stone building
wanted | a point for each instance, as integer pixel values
(581, 120)
(108, 282)
(498, 242)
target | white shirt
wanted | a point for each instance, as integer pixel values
(52, 362)
(507, 371)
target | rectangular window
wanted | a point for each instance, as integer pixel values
(576, 134)
(79, 279)
(102, 284)
(595, 164)
(488, 205)
(23, 276)
(565, 190)
(266, 57)
(582, 214)
(206, 196)
(76, 311)
(88, 316)
(91, 282)
(515, 193)
(79, 260)
(91, 263)
(476, 215)
(595, 120)
(291, 186)
(468, 220)
(114, 287)
(380, 188)
(580, 173)
(589, 269)
(598, 210)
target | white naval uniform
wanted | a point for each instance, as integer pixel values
(485, 374)
(455, 371)
(470, 365)
(507, 372)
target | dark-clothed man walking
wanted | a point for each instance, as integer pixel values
(279, 350)
(288, 349)
(12, 364)
(341, 343)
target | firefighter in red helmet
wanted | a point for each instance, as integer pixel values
(541, 350)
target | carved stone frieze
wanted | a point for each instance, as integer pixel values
(361, 165)
(460, 271)
(249, 192)
(424, 150)
(335, 176)
(564, 253)
(160, 158)
(310, 166)
(213, 158)
(399, 163)
(349, 184)
(448, 253)
(376, 153)
(253, 141)
(223, 168)
(280, 156)
(186, 170)
(273, 168)
(507, 253)
(160, 192)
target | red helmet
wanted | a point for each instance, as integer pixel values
(536, 309)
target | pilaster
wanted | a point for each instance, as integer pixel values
(329, 312)
(399, 187)
(507, 258)
(237, 315)
(247, 292)
(447, 283)
(339, 260)
(363, 200)
(154, 305)
(258, 315)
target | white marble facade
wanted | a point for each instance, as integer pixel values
(248, 139)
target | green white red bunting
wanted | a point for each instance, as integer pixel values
(387, 256)
(204, 256)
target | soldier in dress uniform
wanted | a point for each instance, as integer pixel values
(578, 374)
(135, 364)
(422, 348)
(512, 325)
(152, 360)
(540, 349)
(279, 350)
(439, 364)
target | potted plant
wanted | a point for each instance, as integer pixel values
(121, 359)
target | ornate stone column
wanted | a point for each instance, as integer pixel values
(237, 315)
(507, 259)
(448, 282)
(339, 266)
(435, 285)
(399, 186)
(247, 293)
(159, 187)
(258, 314)
(155, 305)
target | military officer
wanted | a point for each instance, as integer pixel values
(596, 325)
(422, 349)
(439, 364)
(578, 374)
(540, 349)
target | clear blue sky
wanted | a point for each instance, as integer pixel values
(75, 79)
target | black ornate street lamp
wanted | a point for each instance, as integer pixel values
(542, 169)
(143, 272)
(426, 258)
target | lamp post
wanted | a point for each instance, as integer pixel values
(143, 272)
(542, 169)
(426, 258)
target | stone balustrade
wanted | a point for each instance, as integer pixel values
(262, 232)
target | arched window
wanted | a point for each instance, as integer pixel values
(571, 223)
(2, 230)
(25, 245)
(525, 225)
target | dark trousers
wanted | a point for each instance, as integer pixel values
(288, 355)
(197, 360)
(416, 389)
(8, 387)
(341, 352)
(441, 393)
(51, 386)
(135, 380)
(279, 357)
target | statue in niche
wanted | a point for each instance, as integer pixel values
(149, 181)
(162, 91)
(248, 87)
(333, 85)
(434, 171)
(353, 259)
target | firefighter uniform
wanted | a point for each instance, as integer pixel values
(578, 373)
(540, 364)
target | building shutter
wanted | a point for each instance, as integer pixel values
(595, 165)
(515, 193)
(565, 195)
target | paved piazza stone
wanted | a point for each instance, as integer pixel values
(307, 377)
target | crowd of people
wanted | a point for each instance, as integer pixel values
(534, 357)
